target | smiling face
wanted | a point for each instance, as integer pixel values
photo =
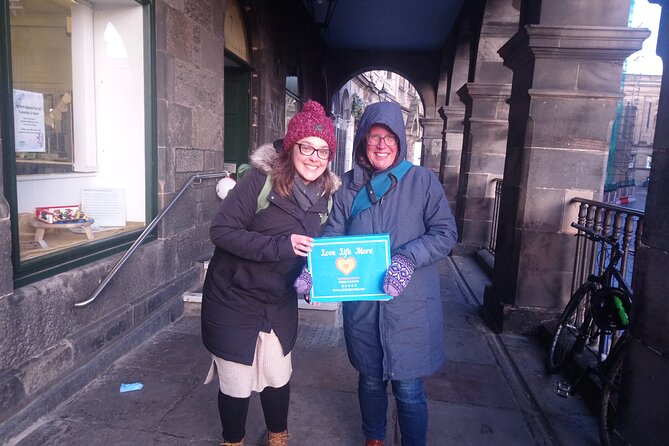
(381, 155)
(310, 167)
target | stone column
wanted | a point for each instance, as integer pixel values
(566, 87)
(483, 154)
(433, 129)
(451, 155)
(485, 127)
(644, 409)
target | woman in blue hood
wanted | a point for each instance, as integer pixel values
(400, 340)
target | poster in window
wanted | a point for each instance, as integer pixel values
(29, 121)
(105, 205)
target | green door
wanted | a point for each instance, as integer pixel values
(236, 132)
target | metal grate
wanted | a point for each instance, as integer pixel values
(310, 336)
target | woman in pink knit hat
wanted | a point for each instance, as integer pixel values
(249, 306)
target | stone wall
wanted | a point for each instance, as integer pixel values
(49, 348)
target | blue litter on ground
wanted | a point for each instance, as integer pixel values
(131, 387)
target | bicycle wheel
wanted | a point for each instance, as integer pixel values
(571, 331)
(609, 408)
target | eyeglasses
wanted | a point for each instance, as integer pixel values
(307, 150)
(390, 140)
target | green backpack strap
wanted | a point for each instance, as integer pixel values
(263, 196)
(324, 217)
(263, 199)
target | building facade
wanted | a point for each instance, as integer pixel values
(632, 142)
(116, 113)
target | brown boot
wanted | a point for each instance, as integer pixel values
(278, 438)
(241, 443)
(374, 443)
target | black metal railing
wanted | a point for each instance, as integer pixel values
(492, 243)
(626, 225)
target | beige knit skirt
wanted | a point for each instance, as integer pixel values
(270, 369)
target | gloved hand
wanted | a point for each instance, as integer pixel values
(398, 275)
(303, 282)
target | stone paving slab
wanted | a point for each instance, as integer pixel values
(464, 425)
(101, 403)
(492, 390)
(462, 316)
(61, 433)
(467, 346)
(470, 384)
(171, 350)
(309, 372)
(571, 419)
(182, 422)
(324, 417)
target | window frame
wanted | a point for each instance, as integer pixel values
(32, 270)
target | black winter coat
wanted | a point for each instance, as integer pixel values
(249, 283)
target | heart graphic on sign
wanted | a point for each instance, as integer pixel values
(346, 265)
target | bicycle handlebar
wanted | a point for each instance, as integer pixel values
(611, 240)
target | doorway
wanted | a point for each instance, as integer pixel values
(237, 107)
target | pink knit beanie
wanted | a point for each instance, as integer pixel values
(311, 121)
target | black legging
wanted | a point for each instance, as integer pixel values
(233, 412)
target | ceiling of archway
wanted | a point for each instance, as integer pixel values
(386, 24)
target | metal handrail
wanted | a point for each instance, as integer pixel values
(197, 177)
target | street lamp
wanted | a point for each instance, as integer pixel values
(383, 94)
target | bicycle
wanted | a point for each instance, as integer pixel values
(596, 314)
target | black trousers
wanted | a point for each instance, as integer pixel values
(233, 412)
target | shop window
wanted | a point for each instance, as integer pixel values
(79, 130)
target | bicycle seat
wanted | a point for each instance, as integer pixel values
(610, 308)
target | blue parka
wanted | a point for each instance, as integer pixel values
(401, 338)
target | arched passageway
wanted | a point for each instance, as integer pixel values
(366, 88)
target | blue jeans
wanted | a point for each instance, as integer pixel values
(411, 409)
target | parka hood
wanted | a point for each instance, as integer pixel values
(264, 157)
(388, 114)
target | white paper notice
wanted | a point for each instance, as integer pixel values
(105, 205)
(29, 121)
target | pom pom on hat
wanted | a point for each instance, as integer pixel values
(311, 121)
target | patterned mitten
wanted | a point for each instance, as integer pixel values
(398, 275)
(303, 282)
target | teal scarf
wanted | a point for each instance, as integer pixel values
(378, 186)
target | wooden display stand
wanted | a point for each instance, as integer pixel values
(41, 226)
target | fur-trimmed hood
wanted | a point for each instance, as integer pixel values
(264, 157)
